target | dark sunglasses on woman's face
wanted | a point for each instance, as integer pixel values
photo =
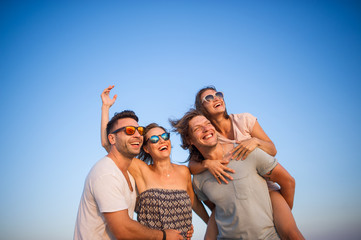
(130, 130)
(211, 97)
(155, 138)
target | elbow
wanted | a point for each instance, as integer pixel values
(291, 183)
(274, 151)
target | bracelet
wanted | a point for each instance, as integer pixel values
(164, 235)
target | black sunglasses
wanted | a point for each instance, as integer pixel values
(130, 130)
(155, 138)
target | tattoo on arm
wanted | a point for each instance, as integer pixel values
(267, 176)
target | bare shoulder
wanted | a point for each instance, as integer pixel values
(184, 170)
(137, 165)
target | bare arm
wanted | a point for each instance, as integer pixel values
(197, 206)
(106, 104)
(285, 180)
(259, 139)
(212, 230)
(217, 168)
(123, 227)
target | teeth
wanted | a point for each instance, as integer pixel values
(208, 136)
(163, 148)
(135, 143)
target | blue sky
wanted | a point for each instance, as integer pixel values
(294, 65)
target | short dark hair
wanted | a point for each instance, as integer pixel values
(143, 155)
(198, 102)
(181, 126)
(120, 115)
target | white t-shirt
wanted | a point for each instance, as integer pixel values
(105, 190)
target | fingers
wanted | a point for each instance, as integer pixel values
(190, 232)
(239, 153)
(216, 176)
(221, 177)
(245, 155)
(107, 90)
(228, 170)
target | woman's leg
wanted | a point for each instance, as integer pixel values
(283, 218)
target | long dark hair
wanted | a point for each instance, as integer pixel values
(143, 155)
(199, 106)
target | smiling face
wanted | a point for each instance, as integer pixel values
(215, 106)
(160, 149)
(202, 133)
(127, 145)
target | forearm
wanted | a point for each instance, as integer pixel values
(212, 230)
(103, 127)
(199, 209)
(138, 231)
(196, 167)
(287, 183)
(266, 146)
(130, 229)
(288, 191)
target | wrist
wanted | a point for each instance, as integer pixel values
(257, 141)
(105, 106)
(164, 235)
(205, 164)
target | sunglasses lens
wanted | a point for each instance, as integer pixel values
(219, 94)
(129, 130)
(141, 130)
(209, 98)
(154, 139)
(165, 136)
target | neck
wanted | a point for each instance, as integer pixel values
(162, 163)
(212, 153)
(221, 124)
(163, 166)
(122, 162)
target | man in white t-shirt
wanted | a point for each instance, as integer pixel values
(107, 204)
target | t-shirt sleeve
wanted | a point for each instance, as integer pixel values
(245, 123)
(264, 162)
(109, 194)
(249, 121)
(201, 196)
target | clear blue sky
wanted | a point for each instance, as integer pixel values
(296, 65)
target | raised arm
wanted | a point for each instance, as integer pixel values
(106, 104)
(286, 182)
(123, 227)
(259, 139)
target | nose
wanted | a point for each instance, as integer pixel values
(137, 134)
(206, 128)
(216, 97)
(161, 140)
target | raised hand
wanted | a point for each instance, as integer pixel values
(107, 102)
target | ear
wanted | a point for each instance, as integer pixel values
(111, 139)
(145, 148)
(190, 140)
